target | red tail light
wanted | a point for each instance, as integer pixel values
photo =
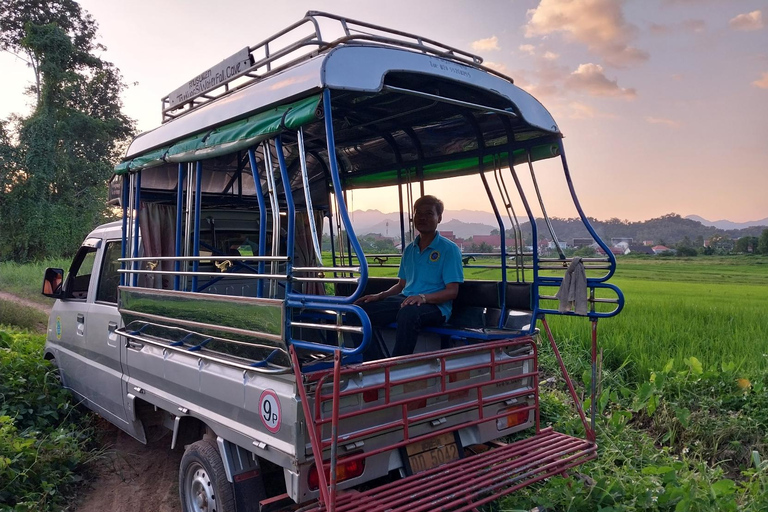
(344, 471)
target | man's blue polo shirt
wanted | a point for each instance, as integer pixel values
(431, 270)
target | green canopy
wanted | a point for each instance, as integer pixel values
(231, 137)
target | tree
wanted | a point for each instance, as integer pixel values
(54, 191)
(746, 244)
(18, 15)
(762, 243)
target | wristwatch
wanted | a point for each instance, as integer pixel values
(423, 298)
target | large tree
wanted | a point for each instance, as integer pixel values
(55, 189)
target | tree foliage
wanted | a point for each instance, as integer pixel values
(60, 157)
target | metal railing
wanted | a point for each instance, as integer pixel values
(265, 60)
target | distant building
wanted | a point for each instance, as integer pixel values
(640, 249)
(582, 242)
(621, 240)
(649, 243)
(661, 248)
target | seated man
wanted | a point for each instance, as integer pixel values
(429, 277)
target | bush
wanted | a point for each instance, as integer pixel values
(44, 440)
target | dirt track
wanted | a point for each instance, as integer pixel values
(132, 477)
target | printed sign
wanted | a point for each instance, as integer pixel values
(269, 410)
(224, 71)
(58, 327)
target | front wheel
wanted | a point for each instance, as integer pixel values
(203, 485)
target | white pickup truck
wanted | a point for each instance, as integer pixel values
(215, 308)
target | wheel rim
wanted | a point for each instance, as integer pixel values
(198, 489)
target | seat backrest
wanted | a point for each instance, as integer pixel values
(518, 296)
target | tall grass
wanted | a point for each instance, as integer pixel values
(714, 310)
(26, 280)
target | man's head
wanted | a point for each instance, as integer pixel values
(428, 213)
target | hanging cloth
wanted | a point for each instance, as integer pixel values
(573, 290)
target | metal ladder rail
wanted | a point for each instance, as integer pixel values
(353, 32)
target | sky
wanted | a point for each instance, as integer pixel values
(663, 103)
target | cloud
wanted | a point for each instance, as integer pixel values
(762, 82)
(488, 44)
(661, 120)
(497, 66)
(749, 21)
(527, 48)
(693, 25)
(590, 78)
(599, 24)
(551, 56)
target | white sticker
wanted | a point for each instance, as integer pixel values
(269, 410)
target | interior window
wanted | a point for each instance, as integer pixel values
(80, 273)
(109, 279)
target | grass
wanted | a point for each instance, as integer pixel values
(22, 316)
(26, 280)
(44, 441)
(710, 308)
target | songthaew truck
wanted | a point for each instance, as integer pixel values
(222, 305)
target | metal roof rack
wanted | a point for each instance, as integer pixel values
(255, 63)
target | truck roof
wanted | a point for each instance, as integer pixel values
(351, 63)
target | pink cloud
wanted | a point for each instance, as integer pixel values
(590, 78)
(599, 24)
(749, 21)
(762, 82)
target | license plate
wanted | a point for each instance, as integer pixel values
(431, 453)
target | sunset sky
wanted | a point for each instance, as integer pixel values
(664, 103)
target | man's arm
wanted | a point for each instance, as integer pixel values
(396, 288)
(450, 292)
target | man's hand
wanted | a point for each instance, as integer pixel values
(368, 298)
(414, 300)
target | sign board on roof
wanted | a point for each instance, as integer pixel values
(223, 72)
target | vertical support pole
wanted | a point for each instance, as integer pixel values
(543, 209)
(567, 377)
(331, 505)
(290, 245)
(179, 214)
(593, 404)
(314, 441)
(196, 223)
(308, 196)
(275, 204)
(338, 193)
(126, 205)
(262, 219)
(136, 206)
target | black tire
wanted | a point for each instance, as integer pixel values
(203, 485)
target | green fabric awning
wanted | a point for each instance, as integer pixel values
(458, 166)
(231, 137)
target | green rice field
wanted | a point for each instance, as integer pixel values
(712, 308)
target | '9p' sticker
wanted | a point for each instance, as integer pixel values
(269, 410)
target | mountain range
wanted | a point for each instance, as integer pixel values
(727, 224)
(465, 223)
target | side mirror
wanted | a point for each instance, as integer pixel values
(52, 281)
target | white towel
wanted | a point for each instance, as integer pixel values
(573, 290)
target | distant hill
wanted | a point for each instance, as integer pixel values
(727, 224)
(669, 229)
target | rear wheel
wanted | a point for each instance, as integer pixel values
(203, 485)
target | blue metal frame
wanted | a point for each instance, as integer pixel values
(262, 219)
(125, 194)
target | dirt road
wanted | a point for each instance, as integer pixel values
(132, 477)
